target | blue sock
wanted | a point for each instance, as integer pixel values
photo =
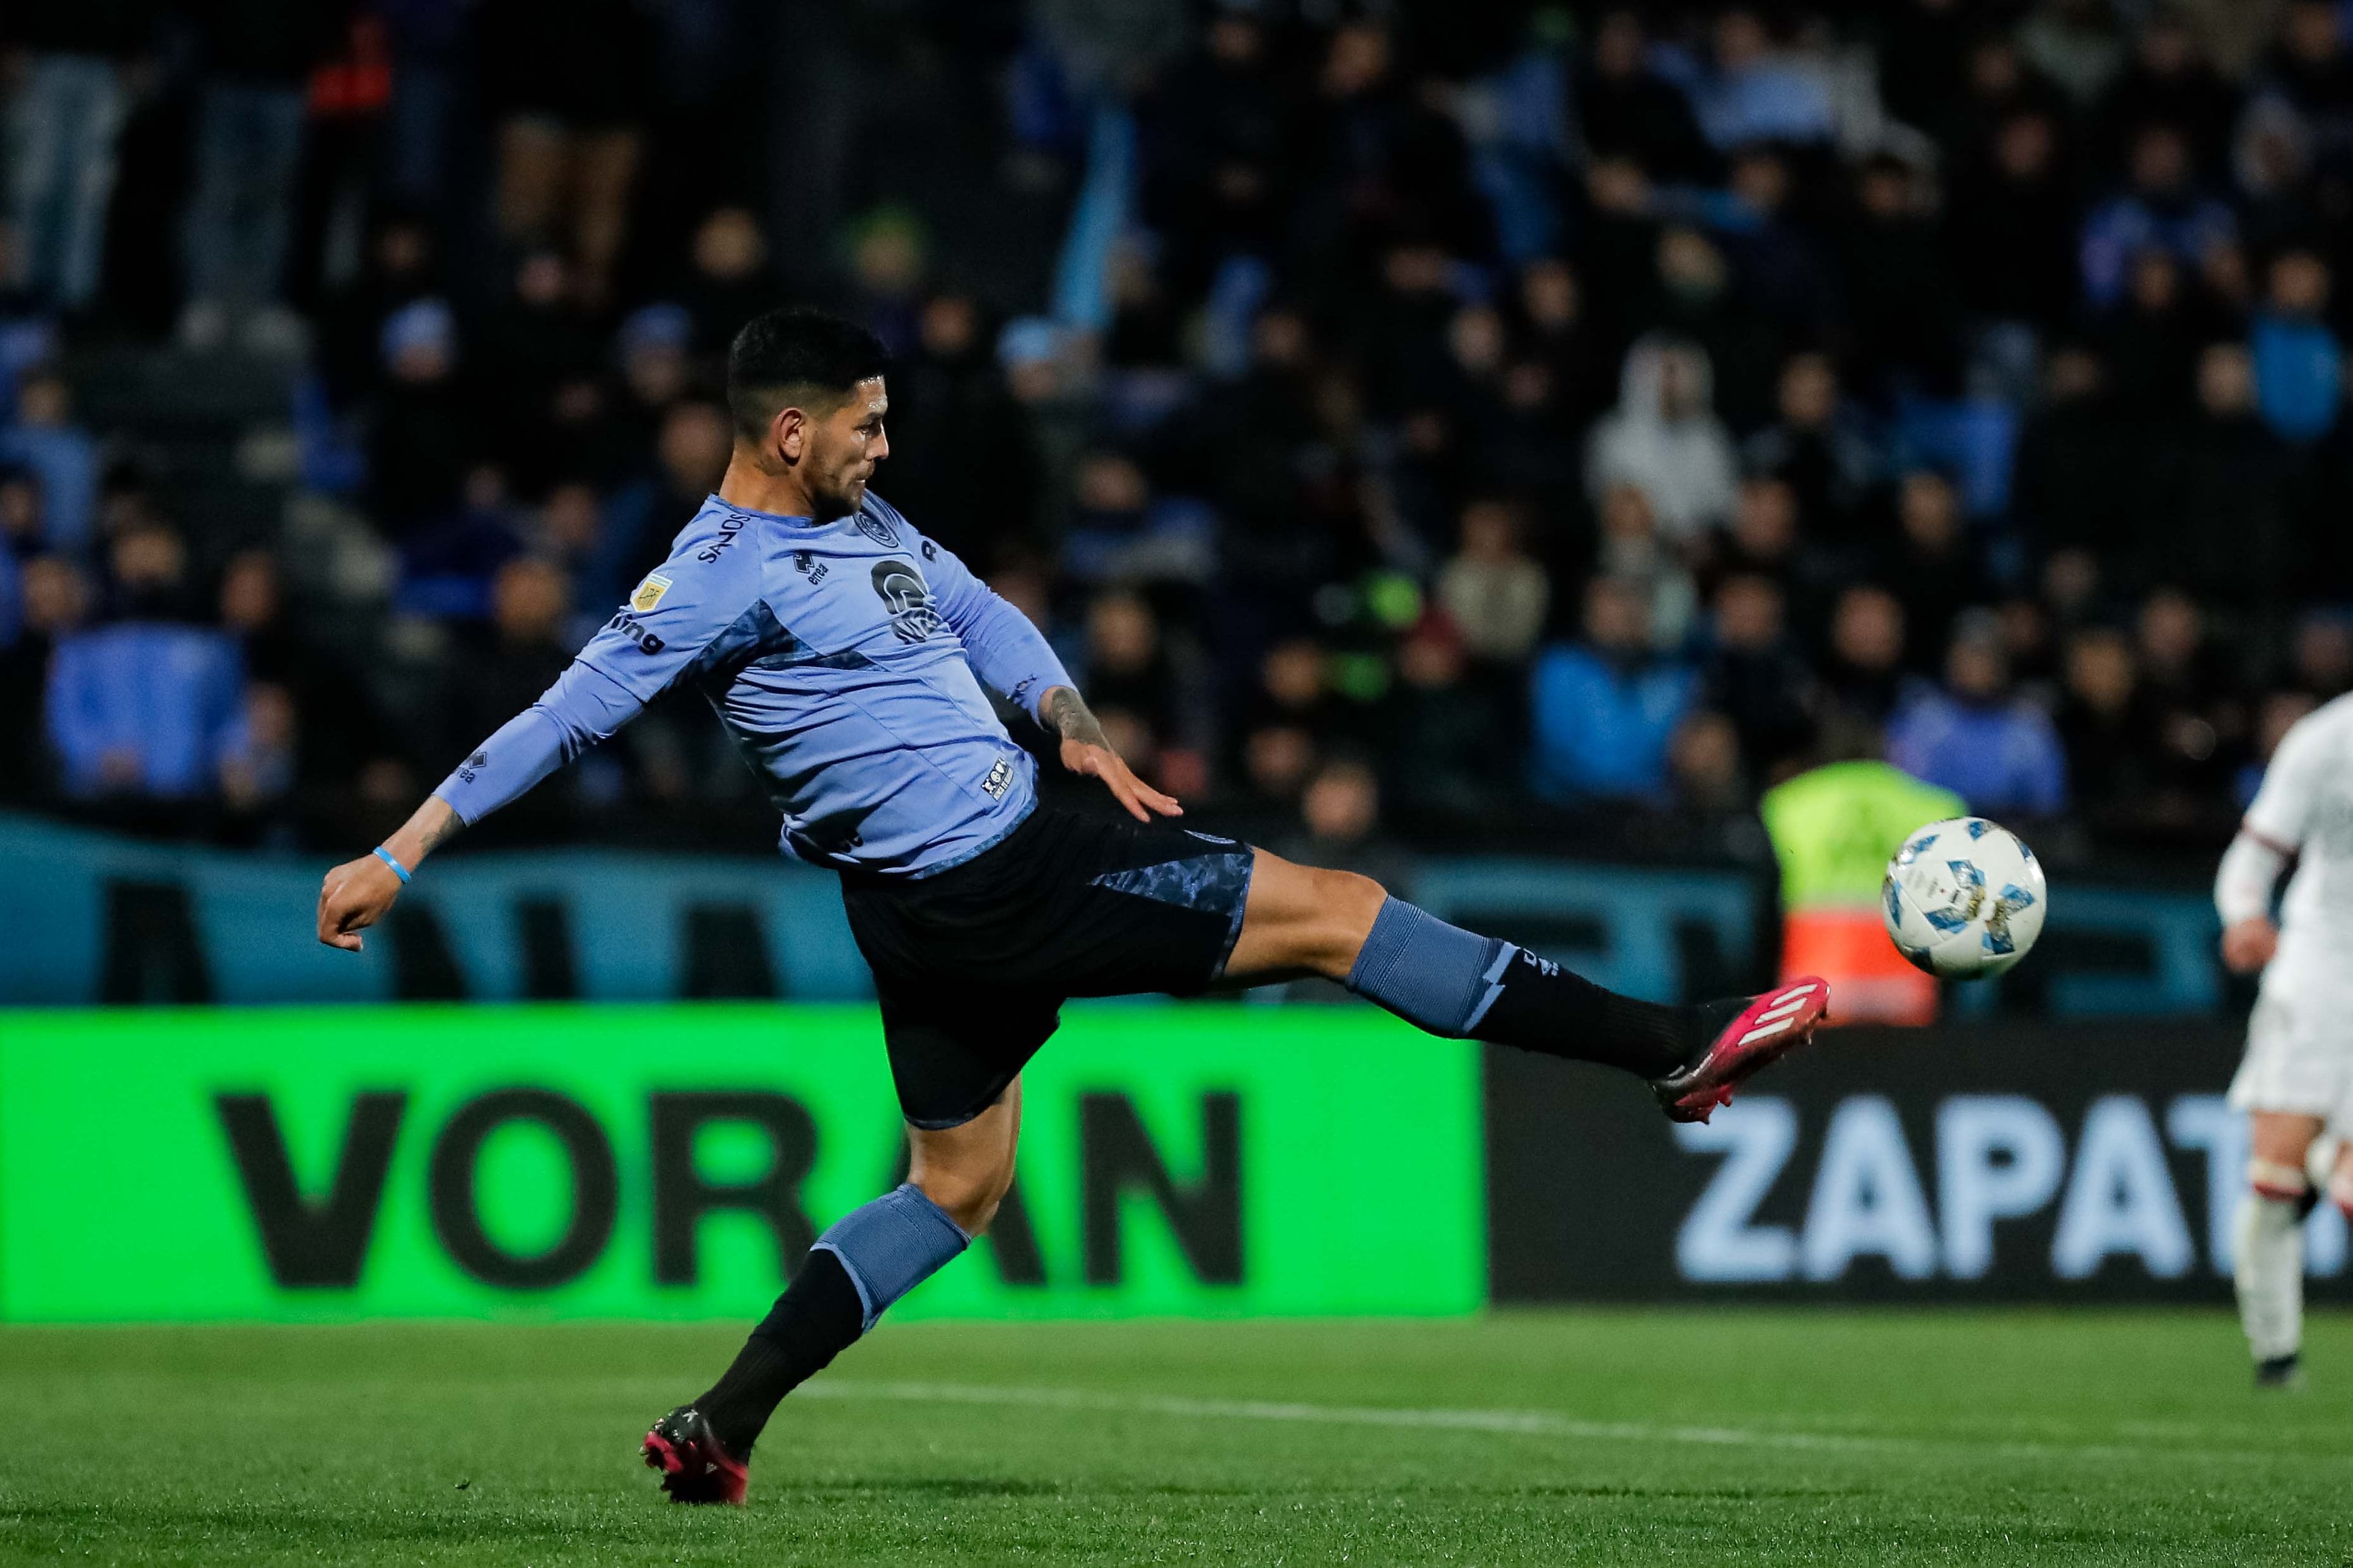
(865, 1260)
(1428, 973)
(893, 1244)
(1462, 985)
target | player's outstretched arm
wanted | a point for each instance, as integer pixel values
(657, 636)
(1085, 752)
(357, 893)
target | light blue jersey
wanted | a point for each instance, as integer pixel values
(847, 660)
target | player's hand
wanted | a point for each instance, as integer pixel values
(354, 896)
(1090, 760)
(1087, 751)
(2248, 944)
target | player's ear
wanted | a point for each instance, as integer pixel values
(788, 433)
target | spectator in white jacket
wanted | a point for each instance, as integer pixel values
(1664, 439)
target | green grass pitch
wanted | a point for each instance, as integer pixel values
(1552, 1439)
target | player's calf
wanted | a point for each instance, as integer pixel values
(2267, 1274)
(2267, 1268)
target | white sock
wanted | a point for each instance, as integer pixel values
(2270, 1274)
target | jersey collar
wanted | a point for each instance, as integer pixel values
(789, 521)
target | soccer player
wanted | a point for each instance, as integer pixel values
(2298, 1068)
(847, 654)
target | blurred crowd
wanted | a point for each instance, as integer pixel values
(1544, 424)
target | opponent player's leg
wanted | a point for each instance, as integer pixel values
(2268, 1268)
(1459, 984)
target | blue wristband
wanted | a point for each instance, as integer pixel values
(398, 868)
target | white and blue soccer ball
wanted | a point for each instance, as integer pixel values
(1965, 899)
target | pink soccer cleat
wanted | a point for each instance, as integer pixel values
(694, 1467)
(1769, 1027)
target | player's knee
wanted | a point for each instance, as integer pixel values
(1346, 904)
(2276, 1180)
(968, 1190)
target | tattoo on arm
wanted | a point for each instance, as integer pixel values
(439, 832)
(432, 825)
(1069, 717)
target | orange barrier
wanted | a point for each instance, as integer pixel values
(1871, 983)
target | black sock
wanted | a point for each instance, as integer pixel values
(816, 1317)
(1543, 1007)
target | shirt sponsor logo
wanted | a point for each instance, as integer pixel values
(649, 594)
(728, 530)
(627, 624)
(473, 765)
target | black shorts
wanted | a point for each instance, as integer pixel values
(972, 964)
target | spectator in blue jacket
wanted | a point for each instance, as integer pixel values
(2162, 209)
(1997, 751)
(2299, 364)
(145, 709)
(1605, 709)
(1758, 93)
(61, 457)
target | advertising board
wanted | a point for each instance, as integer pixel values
(1972, 1163)
(675, 1162)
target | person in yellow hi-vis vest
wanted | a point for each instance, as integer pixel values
(1833, 829)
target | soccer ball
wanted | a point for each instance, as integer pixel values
(1963, 899)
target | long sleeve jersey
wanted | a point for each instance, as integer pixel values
(846, 658)
(2303, 811)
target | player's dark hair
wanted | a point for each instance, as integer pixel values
(796, 356)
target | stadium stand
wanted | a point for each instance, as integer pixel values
(1554, 428)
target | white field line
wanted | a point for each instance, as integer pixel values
(1519, 1423)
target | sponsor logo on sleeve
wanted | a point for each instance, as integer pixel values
(627, 624)
(649, 593)
(729, 528)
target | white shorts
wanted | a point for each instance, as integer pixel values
(2300, 1040)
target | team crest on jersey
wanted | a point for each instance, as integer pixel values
(904, 595)
(879, 531)
(649, 593)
